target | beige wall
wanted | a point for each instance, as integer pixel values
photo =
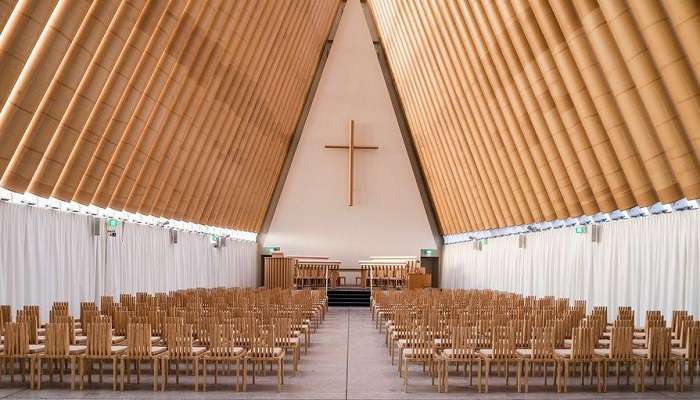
(312, 216)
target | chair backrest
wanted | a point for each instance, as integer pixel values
(503, 341)
(419, 342)
(582, 346)
(31, 320)
(464, 341)
(542, 343)
(658, 343)
(221, 340)
(16, 339)
(139, 340)
(6, 313)
(621, 342)
(57, 339)
(65, 319)
(180, 339)
(99, 338)
(693, 341)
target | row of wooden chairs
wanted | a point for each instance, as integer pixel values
(482, 329)
(201, 328)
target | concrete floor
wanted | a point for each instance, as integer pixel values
(347, 360)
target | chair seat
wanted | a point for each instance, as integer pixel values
(411, 352)
(525, 353)
(155, 350)
(118, 349)
(198, 350)
(277, 351)
(155, 339)
(77, 349)
(563, 353)
(36, 348)
(675, 342)
(118, 339)
(639, 335)
(80, 339)
(440, 342)
(602, 352)
(639, 342)
(680, 352)
(451, 353)
(640, 352)
(604, 342)
(2, 348)
(290, 341)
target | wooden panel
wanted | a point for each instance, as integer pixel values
(178, 108)
(532, 110)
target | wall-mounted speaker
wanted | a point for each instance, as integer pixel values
(95, 224)
(173, 236)
(222, 241)
(596, 233)
(522, 241)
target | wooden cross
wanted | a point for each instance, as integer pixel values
(351, 163)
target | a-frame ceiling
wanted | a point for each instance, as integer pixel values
(520, 111)
(175, 108)
(524, 111)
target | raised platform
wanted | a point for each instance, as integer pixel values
(348, 296)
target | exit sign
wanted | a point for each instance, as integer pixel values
(112, 223)
(581, 229)
(269, 250)
(428, 252)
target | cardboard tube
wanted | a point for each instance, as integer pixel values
(135, 128)
(6, 7)
(59, 94)
(477, 109)
(655, 99)
(604, 102)
(210, 82)
(597, 196)
(531, 121)
(152, 55)
(92, 83)
(673, 65)
(685, 18)
(614, 176)
(18, 39)
(631, 107)
(166, 117)
(511, 104)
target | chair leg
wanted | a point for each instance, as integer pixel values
(154, 362)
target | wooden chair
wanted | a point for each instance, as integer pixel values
(100, 348)
(139, 348)
(620, 351)
(502, 352)
(286, 339)
(462, 350)
(418, 350)
(58, 351)
(222, 349)
(541, 351)
(656, 354)
(581, 353)
(690, 351)
(263, 349)
(19, 351)
(180, 341)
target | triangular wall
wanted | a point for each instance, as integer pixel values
(312, 216)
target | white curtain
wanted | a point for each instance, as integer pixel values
(48, 256)
(650, 263)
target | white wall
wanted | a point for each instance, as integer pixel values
(650, 263)
(48, 256)
(312, 217)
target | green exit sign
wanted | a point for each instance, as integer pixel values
(428, 252)
(271, 249)
(112, 223)
(581, 229)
